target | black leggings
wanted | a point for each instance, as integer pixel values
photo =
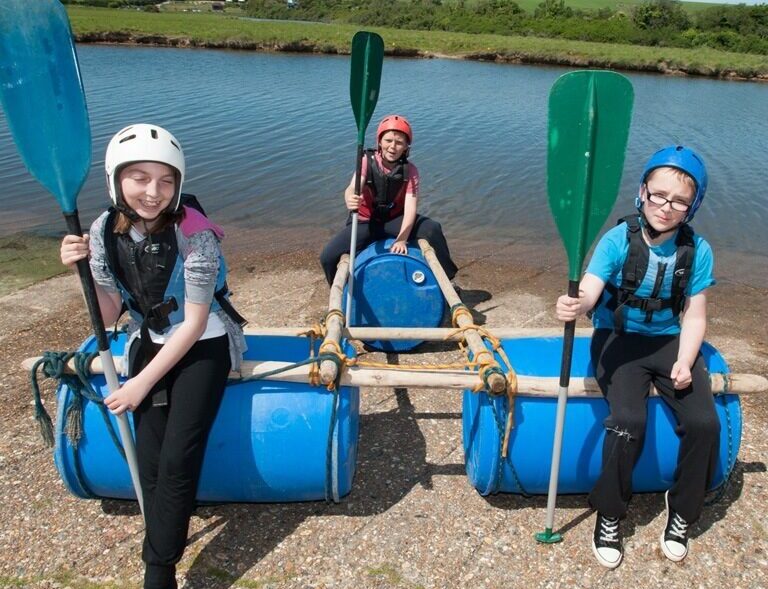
(368, 232)
(170, 444)
(625, 366)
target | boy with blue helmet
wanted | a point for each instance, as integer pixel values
(647, 282)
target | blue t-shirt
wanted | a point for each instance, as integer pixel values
(607, 262)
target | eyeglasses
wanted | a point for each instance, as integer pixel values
(660, 201)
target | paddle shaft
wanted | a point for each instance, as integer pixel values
(105, 354)
(569, 333)
(353, 238)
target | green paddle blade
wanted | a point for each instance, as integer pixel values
(43, 98)
(365, 78)
(589, 118)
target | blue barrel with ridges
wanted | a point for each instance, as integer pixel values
(527, 466)
(271, 441)
(394, 290)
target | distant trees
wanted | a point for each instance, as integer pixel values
(738, 28)
(661, 14)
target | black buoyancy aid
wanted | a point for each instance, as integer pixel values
(385, 186)
(635, 268)
(147, 269)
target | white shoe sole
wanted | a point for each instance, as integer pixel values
(670, 555)
(609, 564)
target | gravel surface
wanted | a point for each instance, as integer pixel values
(412, 519)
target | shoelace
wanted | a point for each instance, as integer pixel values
(679, 527)
(609, 529)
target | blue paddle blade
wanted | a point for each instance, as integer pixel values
(42, 94)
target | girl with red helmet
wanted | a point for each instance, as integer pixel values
(388, 203)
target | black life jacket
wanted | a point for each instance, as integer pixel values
(146, 270)
(635, 267)
(385, 186)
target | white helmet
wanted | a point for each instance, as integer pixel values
(142, 143)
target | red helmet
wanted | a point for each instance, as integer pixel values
(394, 123)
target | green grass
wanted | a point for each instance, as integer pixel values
(624, 6)
(230, 8)
(217, 31)
(26, 259)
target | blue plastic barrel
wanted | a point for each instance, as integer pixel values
(526, 468)
(271, 441)
(394, 290)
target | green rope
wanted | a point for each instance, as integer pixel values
(334, 407)
(54, 366)
(329, 448)
(500, 426)
(314, 360)
(721, 490)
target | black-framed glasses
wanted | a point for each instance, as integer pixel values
(660, 201)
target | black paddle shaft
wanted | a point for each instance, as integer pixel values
(358, 169)
(89, 287)
(568, 337)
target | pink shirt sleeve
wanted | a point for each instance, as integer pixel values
(412, 188)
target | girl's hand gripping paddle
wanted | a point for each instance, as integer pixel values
(44, 102)
(364, 83)
(589, 118)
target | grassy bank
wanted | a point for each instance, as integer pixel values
(27, 259)
(216, 31)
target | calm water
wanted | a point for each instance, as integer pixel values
(270, 144)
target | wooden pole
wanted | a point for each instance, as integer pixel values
(432, 334)
(532, 386)
(334, 322)
(496, 382)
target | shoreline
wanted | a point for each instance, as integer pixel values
(182, 30)
(662, 67)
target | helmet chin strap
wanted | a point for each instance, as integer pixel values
(128, 212)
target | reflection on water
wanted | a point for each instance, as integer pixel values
(270, 143)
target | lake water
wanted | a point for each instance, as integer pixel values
(270, 145)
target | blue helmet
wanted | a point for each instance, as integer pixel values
(685, 160)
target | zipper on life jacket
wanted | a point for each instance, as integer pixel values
(651, 307)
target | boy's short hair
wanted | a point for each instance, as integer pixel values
(677, 173)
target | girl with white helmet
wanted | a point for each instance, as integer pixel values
(388, 203)
(646, 284)
(155, 253)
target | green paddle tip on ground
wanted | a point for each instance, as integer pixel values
(548, 537)
(590, 113)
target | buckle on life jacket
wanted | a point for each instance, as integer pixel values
(651, 304)
(157, 317)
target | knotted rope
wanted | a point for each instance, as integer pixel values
(54, 365)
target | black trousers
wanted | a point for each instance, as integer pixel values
(370, 231)
(625, 366)
(170, 444)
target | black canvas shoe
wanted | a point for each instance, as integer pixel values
(674, 538)
(606, 541)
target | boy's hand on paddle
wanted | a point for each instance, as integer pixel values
(74, 249)
(681, 375)
(127, 398)
(352, 200)
(399, 247)
(567, 308)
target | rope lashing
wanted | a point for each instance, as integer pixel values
(54, 366)
(334, 313)
(487, 368)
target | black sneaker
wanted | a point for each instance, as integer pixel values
(674, 538)
(606, 541)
